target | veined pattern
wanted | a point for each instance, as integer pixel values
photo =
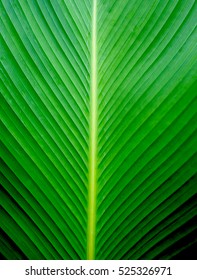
(98, 129)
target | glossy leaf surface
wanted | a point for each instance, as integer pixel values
(98, 129)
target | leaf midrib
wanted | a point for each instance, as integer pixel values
(92, 186)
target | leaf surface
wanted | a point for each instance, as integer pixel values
(98, 129)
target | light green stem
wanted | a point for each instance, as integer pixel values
(93, 143)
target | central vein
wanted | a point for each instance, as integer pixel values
(93, 143)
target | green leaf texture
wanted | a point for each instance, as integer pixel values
(98, 129)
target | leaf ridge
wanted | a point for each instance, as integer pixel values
(93, 141)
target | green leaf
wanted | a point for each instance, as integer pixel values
(98, 129)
